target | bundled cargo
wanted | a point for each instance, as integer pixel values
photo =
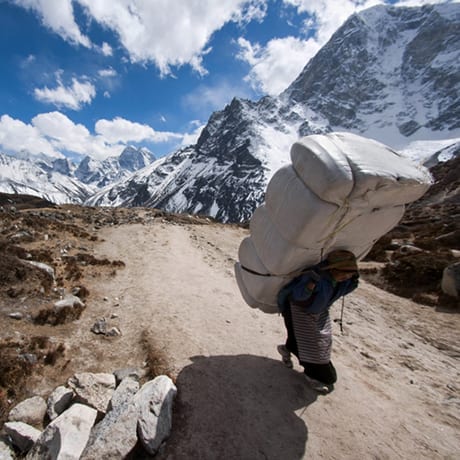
(342, 191)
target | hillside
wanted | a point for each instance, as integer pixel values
(166, 282)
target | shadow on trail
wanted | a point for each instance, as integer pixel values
(238, 407)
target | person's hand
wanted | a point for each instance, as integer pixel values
(311, 286)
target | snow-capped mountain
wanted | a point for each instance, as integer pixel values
(27, 177)
(389, 73)
(60, 181)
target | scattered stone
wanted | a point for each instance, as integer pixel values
(40, 265)
(113, 332)
(66, 436)
(31, 358)
(31, 411)
(155, 400)
(121, 374)
(69, 300)
(450, 283)
(23, 436)
(58, 401)
(95, 390)
(100, 326)
(16, 315)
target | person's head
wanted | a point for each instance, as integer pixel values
(342, 264)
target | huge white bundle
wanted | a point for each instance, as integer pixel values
(342, 191)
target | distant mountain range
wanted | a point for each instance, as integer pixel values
(389, 73)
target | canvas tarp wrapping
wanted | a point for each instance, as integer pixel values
(342, 191)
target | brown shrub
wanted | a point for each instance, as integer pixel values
(55, 316)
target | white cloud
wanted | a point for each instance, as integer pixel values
(72, 97)
(170, 33)
(106, 49)
(55, 134)
(276, 65)
(205, 99)
(121, 130)
(192, 138)
(16, 136)
(107, 73)
(60, 19)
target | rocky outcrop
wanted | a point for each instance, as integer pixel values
(94, 420)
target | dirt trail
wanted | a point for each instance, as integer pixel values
(397, 395)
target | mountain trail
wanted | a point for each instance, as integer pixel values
(397, 395)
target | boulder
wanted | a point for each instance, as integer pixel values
(22, 436)
(450, 283)
(66, 436)
(69, 300)
(58, 401)
(115, 436)
(95, 390)
(31, 411)
(155, 401)
(124, 392)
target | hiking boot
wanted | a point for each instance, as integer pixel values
(318, 386)
(285, 356)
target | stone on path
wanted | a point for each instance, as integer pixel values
(95, 390)
(31, 411)
(58, 401)
(66, 436)
(23, 436)
(155, 400)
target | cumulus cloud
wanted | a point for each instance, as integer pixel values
(16, 135)
(165, 33)
(73, 96)
(59, 19)
(55, 134)
(121, 130)
(277, 64)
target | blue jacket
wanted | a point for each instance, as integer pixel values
(324, 294)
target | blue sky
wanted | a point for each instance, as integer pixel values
(87, 77)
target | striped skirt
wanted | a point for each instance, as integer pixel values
(313, 333)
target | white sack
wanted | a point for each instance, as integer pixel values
(259, 291)
(298, 214)
(342, 192)
(341, 167)
(278, 255)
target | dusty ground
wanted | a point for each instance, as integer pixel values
(176, 298)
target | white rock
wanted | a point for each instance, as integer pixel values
(40, 265)
(69, 301)
(31, 411)
(23, 436)
(65, 437)
(58, 401)
(95, 390)
(155, 400)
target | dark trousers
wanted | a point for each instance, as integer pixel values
(324, 373)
